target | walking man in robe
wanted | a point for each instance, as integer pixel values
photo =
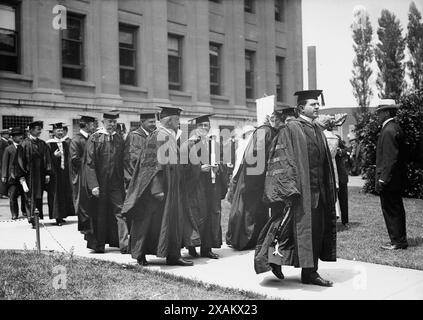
(153, 200)
(4, 143)
(60, 204)
(76, 155)
(135, 143)
(103, 168)
(205, 189)
(391, 174)
(8, 174)
(300, 182)
(34, 169)
(249, 213)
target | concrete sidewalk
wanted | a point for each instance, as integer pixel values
(353, 279)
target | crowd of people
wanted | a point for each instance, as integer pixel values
(154, 193)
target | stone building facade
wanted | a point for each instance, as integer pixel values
(204, 56)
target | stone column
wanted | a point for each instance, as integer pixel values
(47, 61)
(108, 91)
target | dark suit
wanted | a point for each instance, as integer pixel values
(134, 144)
(8, 172)
(342, 159)
(390, 168)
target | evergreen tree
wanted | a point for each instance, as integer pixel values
(363, 49)
(389, 56)
(415, 46)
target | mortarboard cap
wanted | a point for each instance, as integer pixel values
(36, 124)
(112, 114)
(87, 118)
(16, 131)
(386, 104)
(58, 125)
(148, 115)
(280, 109)
(170, 111)
(201, 119)
(309, 94)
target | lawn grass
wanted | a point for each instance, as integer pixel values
(25, 275)
(368, 232)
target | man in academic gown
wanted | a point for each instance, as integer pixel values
(4, 143)
(153, 200)
(203, 193)
(135, 143)
(391, 175)
(34, 169)
(103, 176)
(60, 204)
(8, 174)
(76, 156)
(300, 187)
(248, 213)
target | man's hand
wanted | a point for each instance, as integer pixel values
(159, 196)
(380, 184)
(96, 192)
(47, 179)
(3, 180)
(57, 153)
(205, 168)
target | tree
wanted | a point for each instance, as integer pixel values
(415, 46)
(363, 49)
(389, 54)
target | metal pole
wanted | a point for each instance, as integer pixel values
(37, 229)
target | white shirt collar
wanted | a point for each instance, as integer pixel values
(146, 132)
(386, 121)
(104, 131)
(85, 134)
(15, 144)
(32, 137)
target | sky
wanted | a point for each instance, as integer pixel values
(327, 25)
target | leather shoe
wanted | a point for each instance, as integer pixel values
(394, 246)
(14, 217)
(192, 252)
(318, 281)
(99, 250)
(210, 255)
(142, 261)
(277, 271)
(179, 262)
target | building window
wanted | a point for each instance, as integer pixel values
(175, 62)
(280, 10)
(215, 68)
(9, 37)
(249, 74)
(216, 1)
(279, 78)
(127, 55)
(249, 6)
(16, 121)
(73, 48)
(134, 125)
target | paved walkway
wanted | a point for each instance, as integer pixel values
(353, 279)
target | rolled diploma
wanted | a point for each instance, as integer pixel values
(25, 186)
(213, 158)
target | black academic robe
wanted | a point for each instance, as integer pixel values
(202, 197)
(134, 144)
(158, 227)
(248, 212)
(60, 202)
(34, 164)
(3, 145)
(289, 179)
(103, 168)
(8, 168)
(80, 193)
